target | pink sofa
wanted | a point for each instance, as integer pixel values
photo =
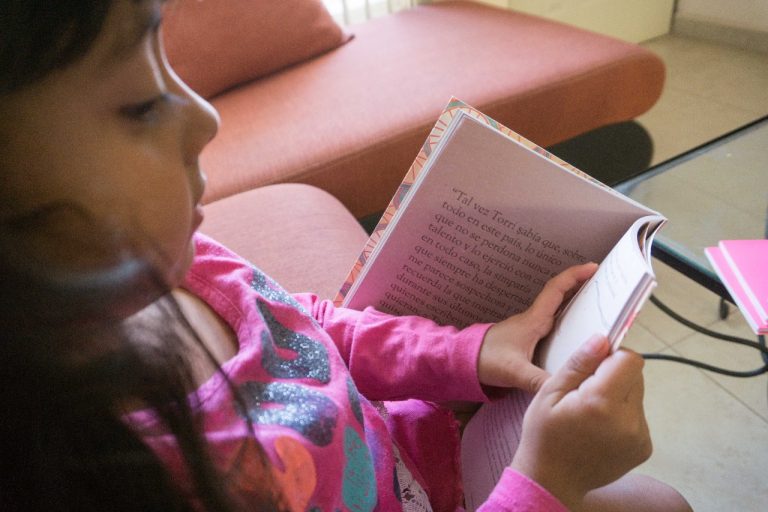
(348, 115)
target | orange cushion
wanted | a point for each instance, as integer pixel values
(299, 235)
(352, 121)
(216, 44)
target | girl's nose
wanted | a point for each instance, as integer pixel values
(202, 120)
(202, 125)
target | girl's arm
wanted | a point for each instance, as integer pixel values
(393, 358)
(516, 492)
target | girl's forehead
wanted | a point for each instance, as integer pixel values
(129, 22)
(125, 26)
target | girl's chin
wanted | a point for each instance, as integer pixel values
(179, 272)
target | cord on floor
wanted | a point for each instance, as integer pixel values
(759, 345)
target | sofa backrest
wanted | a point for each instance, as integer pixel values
(214, 45)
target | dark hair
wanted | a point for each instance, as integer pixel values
(69, 359)
(40, 36)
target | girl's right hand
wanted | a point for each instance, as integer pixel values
(586, 426)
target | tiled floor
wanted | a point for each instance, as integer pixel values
(710, 432)
(710, 90)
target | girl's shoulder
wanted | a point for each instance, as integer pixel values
(234, 288)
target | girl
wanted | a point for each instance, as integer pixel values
(145, 367)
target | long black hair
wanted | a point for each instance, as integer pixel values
(70, 361)
(40, 36)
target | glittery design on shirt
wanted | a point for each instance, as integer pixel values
(354, 401)
(359, 487)
(270, 290)
(311, 359)
(304, 410)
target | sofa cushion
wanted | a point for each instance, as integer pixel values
(299, 235)
(352, 121)
(216, 44)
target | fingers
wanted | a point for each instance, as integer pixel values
(555, 291)
(620, 376)
(580, 366)
(586, 427)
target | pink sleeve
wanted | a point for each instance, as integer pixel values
(393, 358)
(516, 492)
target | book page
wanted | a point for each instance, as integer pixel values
(486, 225)
(605, 304)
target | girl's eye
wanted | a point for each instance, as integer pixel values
(146, 110)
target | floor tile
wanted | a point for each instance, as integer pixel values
(642, 340)
(707, 445)
(681, 121)
(731, 76)
(710, 89)
(710, 432)
(682, 295)
(751, 391)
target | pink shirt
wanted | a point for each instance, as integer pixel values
(311, 376)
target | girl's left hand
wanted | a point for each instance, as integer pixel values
(507, 350)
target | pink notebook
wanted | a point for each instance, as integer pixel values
(743, 267)
(749, 261)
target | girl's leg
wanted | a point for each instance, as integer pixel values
(638, 493)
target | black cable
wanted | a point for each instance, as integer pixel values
(760, 345)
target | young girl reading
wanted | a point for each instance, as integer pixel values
(146, 367)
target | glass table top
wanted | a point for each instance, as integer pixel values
(718, 191)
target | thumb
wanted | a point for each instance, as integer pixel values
(579, 366)
(531, 378)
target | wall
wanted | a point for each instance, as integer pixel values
(631, 20)
(741, 23)
(745, 14)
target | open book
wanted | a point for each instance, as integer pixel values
(481, 221)
(484, 218)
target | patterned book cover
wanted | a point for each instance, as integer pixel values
(453, 108)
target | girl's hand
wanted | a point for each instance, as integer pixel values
(586, 427)
(507, 351)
